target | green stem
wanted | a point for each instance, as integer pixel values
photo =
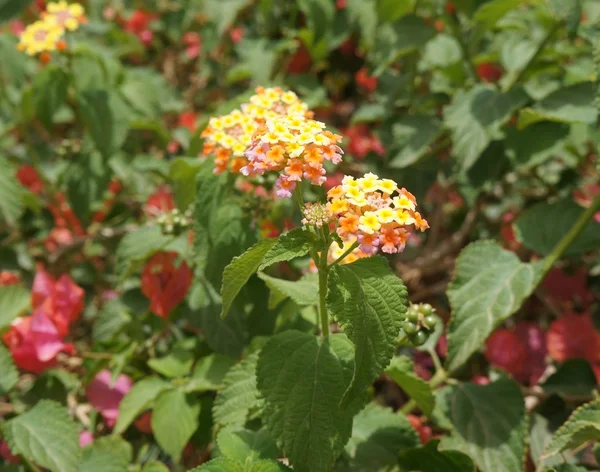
(571, 235)
(323, 273)
(437, 362)
(355, 244)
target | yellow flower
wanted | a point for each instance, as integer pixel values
(40, 36)
(305, 138)
(387, 186)
(403, 218)
(294, 149)
(368, 185)
(239, 149)
(369, 223)
(270, 138)
(321, 140)
(289, 98)
(386, 215)
(65, 16)
(403, 202)
(216, 123)
(337, 206)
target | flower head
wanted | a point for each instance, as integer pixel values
(374, 212)
(105, 395)
(41, 36)
(64, 15)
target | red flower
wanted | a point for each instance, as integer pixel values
(300, 61)
(268, 229)
(165, 284)
(61, 300)
(348, 47)
(450, 8)
(138, 24)
(565, 289)
(423, 430)
(489, 72)
(193, 44)
(161, 201)
(236, 34)
(8, 278)
(187, 119)
(340, 4)
(366, 81)
(34, 342)
(30, 178)
(333, 180)
(105, 395)
(573, 336)
(362, 142)
(7, 455)
(144, 422)
(57, 238)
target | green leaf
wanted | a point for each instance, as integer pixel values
(8, 372)
(392, 10)
(429, 459)
(239, 394)
(475, 118)
(489, 424)
(49, 91)
(369, 302)
(573, 104)
(539, 437)
(106, 453)
(11, 194)
(573, 377)
(295, 243)
(303, 292)
(46, 436)
(319, 16)
(401, 371)
(137, 400)
(14, 301)
(378, 434)
(183, 172)
(489, 285)
(302, 379)
(111, 320)
(582, 426)
(11, 8)
(542, 226)
(245, 445)
(224, 464)
(240, 270)
(413, 135)
(537, 143)
(363, 13)
(155, 466)
(174, 421)
(137, 246)
(209, 373)
(488, 14)
(223, 13)
(176, 363)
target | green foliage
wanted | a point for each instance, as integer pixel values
(209, 373)
(106, 453)
(224, 464)
(247, 446)
(139, 399)
(429, 458)
(11, 194)
(401, 371)
(137, 246)
(8, 372)
(14, 300)
(295, 243)
(581, 427)
(49, 93)
(303, 292)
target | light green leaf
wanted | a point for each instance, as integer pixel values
(8, 372)
(401, 371)
(239, 394)
(392, 10)
(240, 270)
(246, 445)
(224, 464)
(176, 363)
(488, 14)
(155, 466)
(112, 318)
(582, 426)
(369, 302)
(542, 226)
(49, 91)
(413, 135)
(223, 12)
(106, 453)
(303, 292)
(137, 400)
(378, 434)
(209, 373)
(489, 285)
(14, 301)
(11, 194)
(295, 243)
(475, 119)
(174, 421)
(46, 436)
(183, 172)
(539, 437)
(302, 379)
(489, 424)
(429, 459)
(137, 246)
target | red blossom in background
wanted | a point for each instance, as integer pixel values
(362, 141)
(300, 61)
(564, 289)
(61, 300)
(30, 178)
(9, 278)
(187, 119)
(574, 336)
(7, 455)
(144, 423)
(139, 24)
(105, 396)
(34, 342)
(489, 72)
(236, 35)
(161, 201)
(58, 237)
(193, 44)
(165, 284)
(421, 428)
(366, 81)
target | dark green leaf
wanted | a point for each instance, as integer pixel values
(182, 172)
(429, 459)
(177, 363)
(488, 14)
(572, 377)
(137, 246)
(413, 135)
(11, 8)
(49, 92)
(303, 292)
(401, 371)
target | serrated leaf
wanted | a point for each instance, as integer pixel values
(542, 226)
(11, 194)
(488, 14)
(489, 285)
(401, 371)
(369, 302)
(429, 459)
(302, 379)
(475, 118)
(303, 292)
(9, 375)
(244, 444)
(413, 136)
(224, 464)
(539, 437)
(112, 318)
(378, 434)
(174, 421)
(239, 394)
(489, 424)
(582, 426)
(137, 246)
(106, 453)
(137, 400)
(209, 373)
(46, 436)
(240, 270)
(295, 243)
(14, 301)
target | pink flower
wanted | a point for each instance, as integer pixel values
(193, 44)
(236, 34)
(85, 438)
(34, 342)
(105, 396)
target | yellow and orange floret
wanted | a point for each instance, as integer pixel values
(375, 213)
(228, 137)
(46, 35)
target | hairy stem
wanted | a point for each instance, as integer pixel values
(323, 273)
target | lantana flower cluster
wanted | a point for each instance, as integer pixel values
(228, 136)
(296, 147)
(46, 34)
(374, 212)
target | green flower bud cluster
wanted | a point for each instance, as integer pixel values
(419, 323)
(175, 222)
